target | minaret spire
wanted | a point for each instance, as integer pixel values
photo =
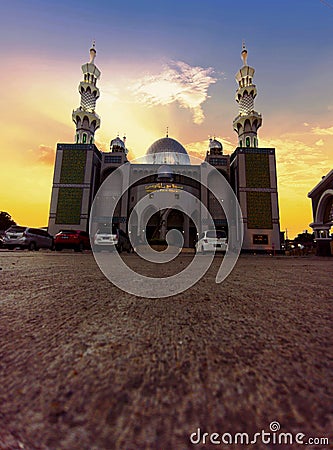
(85, 117)
(248, 121)
(244, 53)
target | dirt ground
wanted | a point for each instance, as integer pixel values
(85, 366)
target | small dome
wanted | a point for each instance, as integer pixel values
(117, 143)
(167, 151)
(164, 171)
(213, 143)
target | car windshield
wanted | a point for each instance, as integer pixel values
(16, 229)
(105, 229)
(216, 234)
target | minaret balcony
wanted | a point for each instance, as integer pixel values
(243, 116)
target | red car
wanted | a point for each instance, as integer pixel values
(76, 239)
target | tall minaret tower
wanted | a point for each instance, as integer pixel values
(85, 118)
(248, 120)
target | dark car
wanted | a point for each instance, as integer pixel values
(76, 239)
(26, 237)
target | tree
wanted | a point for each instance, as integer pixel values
(6, 220)
(304, 238)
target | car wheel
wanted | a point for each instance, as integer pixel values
(119, 248)
(202, 250)
(32, 246)
(58, 248)
(79, 248)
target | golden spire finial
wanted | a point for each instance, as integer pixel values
(244, 53)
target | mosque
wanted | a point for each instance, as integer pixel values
(80, 169)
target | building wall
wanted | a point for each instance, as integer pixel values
(80, 170)
(76, 178)
(255, 184)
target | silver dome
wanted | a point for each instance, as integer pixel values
(117, 142)
(167, 151)
(213, 143)
(165, 171)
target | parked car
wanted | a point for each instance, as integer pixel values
(26, 237)
(111, 238)
(76, 239)
(211, 241)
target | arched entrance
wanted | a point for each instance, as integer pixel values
(165, 220)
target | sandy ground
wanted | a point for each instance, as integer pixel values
(86, 366)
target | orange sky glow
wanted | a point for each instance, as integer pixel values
(38, 115)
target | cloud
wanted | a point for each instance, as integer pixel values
(44, 154)
(322, 131)
(299, 165)
(178, 82)
(198, 149)
(320, 143)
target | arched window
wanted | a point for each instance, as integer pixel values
(247, 141)
(91, 140)
(77, 138)
(84, 138)
(241, 143)
(254, 142)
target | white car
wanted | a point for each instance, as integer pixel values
(211, 241)
(107, 238)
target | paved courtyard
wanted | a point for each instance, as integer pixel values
(85, 366)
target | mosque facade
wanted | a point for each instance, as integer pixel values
(81, 168)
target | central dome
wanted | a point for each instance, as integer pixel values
(167, 151)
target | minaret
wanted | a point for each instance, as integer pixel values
(248, 120)
(85, 118)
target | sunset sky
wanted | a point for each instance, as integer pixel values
(165, 63)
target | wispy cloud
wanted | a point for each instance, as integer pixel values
(44, 154)
(323, 131)
(299, 164)
(178, 82)
(198, 149)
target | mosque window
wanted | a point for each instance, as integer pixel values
(91, 140)
(247, 141)
(241, 143)
(77, 138)
(112, 159)
(254, 142)
(84, 138)
(218, 161)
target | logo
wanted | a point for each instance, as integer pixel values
(150, 194)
